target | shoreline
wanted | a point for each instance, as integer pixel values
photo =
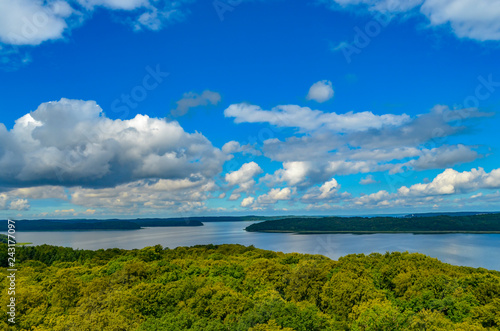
(374, 232)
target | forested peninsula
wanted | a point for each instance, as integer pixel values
(232, 287)
(481, 223)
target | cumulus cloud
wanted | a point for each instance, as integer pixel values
(234, 196)
(417, 144)
(32, 22)
(309, 120)
(247, 202)
(453, 182)
(20, 204)
(379, 198)
(191, 100)
(304, 174)
(295, 172)
(7, 203)
(27, 22)
(72, 143)
(327, 191)
(275, 195)
(448, 187)
(39, 192)
(176, 196)
(320, 91)
(244, 177)
(468, 18)
(479, 20)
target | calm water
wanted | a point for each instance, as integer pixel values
(475, 250)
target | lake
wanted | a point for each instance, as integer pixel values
(474, 250)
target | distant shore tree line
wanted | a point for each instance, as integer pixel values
(430, 224)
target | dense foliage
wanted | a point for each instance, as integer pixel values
(3, 238)
(232, 287)
(441, 223)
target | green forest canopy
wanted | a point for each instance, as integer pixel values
(438, 223)
(232, 287)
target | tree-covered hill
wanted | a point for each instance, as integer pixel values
(430, 224)
(232, 287)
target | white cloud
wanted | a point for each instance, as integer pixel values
(367, 180)
(294, 172)
(379, 198)
(31, 22)
(244, 177)
(327, 191)
(246, 173)
(451, 181)
(418, 144)
(72, 143)
(479, 20)
(309, 120)
(247, 202)
(468, 18)
(307, 173)
(447, 188)
(234, 196)
(275, 195)
(40, 192)
(320, 91)
(20, 204)
(176, 196)
(191, 100)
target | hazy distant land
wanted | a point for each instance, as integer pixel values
(112, 224)
(471, 222)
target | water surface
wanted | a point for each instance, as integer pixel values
(474, 250)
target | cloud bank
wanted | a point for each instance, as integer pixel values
(72, 143)
(478, 20)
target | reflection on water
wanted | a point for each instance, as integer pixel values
(475, 250)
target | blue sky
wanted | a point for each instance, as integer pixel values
(141, 108)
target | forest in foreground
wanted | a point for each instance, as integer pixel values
(233, 287)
